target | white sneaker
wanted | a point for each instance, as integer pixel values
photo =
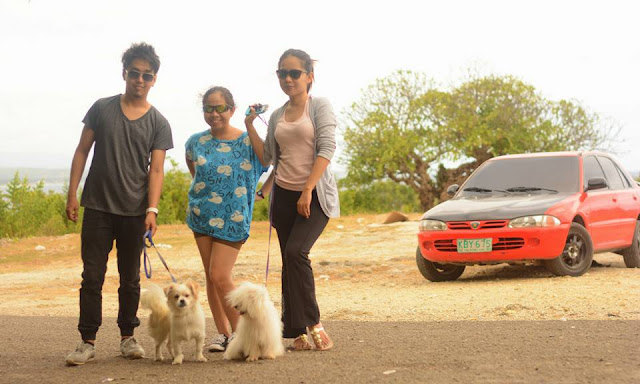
(84, 352)
(130, 348)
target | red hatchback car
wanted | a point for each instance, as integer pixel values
(558, 208)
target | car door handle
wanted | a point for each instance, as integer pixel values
(614, 200)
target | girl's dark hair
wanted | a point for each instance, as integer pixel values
(141, 51)
(307, 61)
(228, 97)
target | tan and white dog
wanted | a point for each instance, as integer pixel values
(176, 316)
(259, 331)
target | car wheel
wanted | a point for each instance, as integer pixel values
(632, 254)
(577, 255)
(436, 271)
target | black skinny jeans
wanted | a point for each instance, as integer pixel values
(99, 230)
(296, 236)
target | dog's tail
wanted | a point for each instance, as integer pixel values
(154, 298)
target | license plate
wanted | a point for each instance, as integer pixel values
(474, 245)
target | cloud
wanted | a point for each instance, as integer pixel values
(196, 210)
(216, 222)
(223, 147)
(199, 187)
(215, 198)
(237, 216)
(241, 191)
(226, 169)
(205, 138)
(201, 161)
(246, 165)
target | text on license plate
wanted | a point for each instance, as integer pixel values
(474, 245)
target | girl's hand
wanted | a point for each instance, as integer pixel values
(248, 120)
(304, 204)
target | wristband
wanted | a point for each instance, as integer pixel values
(154, 210)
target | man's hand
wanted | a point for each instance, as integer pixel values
(150, 223)
(72, 208)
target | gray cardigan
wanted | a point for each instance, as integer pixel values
(324, 125)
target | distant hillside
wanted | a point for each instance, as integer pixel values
(35, 174)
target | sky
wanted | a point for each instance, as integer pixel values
(58, 57)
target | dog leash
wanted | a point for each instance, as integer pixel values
(266, 275)
(145, 245)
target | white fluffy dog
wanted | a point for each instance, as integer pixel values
(259, 332)
(176, 316)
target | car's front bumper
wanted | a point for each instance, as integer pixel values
(508, 244)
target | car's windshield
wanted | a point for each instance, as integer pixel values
(525, 175)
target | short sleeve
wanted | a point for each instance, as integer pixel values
(188, 149)
(162, 138)
(91, 117)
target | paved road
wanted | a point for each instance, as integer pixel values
(33, 351)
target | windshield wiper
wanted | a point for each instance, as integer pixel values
(530, 189)
(477, 189)
(483, 190)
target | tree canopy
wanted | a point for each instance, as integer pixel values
(407, 130)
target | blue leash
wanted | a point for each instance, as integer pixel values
(147, 236)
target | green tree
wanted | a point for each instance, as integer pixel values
(378, 197)
(393, 133)
(27, 210)
(174, 198)
(407, 131)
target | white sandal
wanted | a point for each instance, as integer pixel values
(321, 345)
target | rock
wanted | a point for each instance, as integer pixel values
(395, 217)
(40, 248)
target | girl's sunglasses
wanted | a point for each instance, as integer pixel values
(135, 75)
(218, 108)
(293, 73)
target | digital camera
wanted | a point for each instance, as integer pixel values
(260, 108)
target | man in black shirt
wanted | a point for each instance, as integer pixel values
(120, 197)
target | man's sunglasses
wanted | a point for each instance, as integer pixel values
(293, 73)
(218, 108)
(135, 75)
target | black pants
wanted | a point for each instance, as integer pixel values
(99, 229)
(296, 236)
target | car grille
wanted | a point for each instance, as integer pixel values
(488, 224)
(503, 244)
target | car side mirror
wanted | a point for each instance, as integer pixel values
(596, 183)
(452, 189)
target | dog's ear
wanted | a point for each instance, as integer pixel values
(194, 287)
(168, 289)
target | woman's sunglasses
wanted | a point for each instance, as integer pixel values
(218, 108)
(293, 73)
(135, 75)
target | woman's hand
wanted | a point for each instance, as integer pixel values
(304, 203)
(248, 120)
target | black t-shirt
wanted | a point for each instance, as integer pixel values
(118, 179)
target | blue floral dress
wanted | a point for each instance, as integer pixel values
(222, 192)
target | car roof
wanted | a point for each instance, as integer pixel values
(551, 154)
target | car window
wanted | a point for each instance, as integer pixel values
(625, 180)
(611, 172)
(531, 174)
(591, 168)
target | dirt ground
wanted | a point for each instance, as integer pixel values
(495, 324)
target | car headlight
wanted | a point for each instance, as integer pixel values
(432, 225)
(534, 221)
